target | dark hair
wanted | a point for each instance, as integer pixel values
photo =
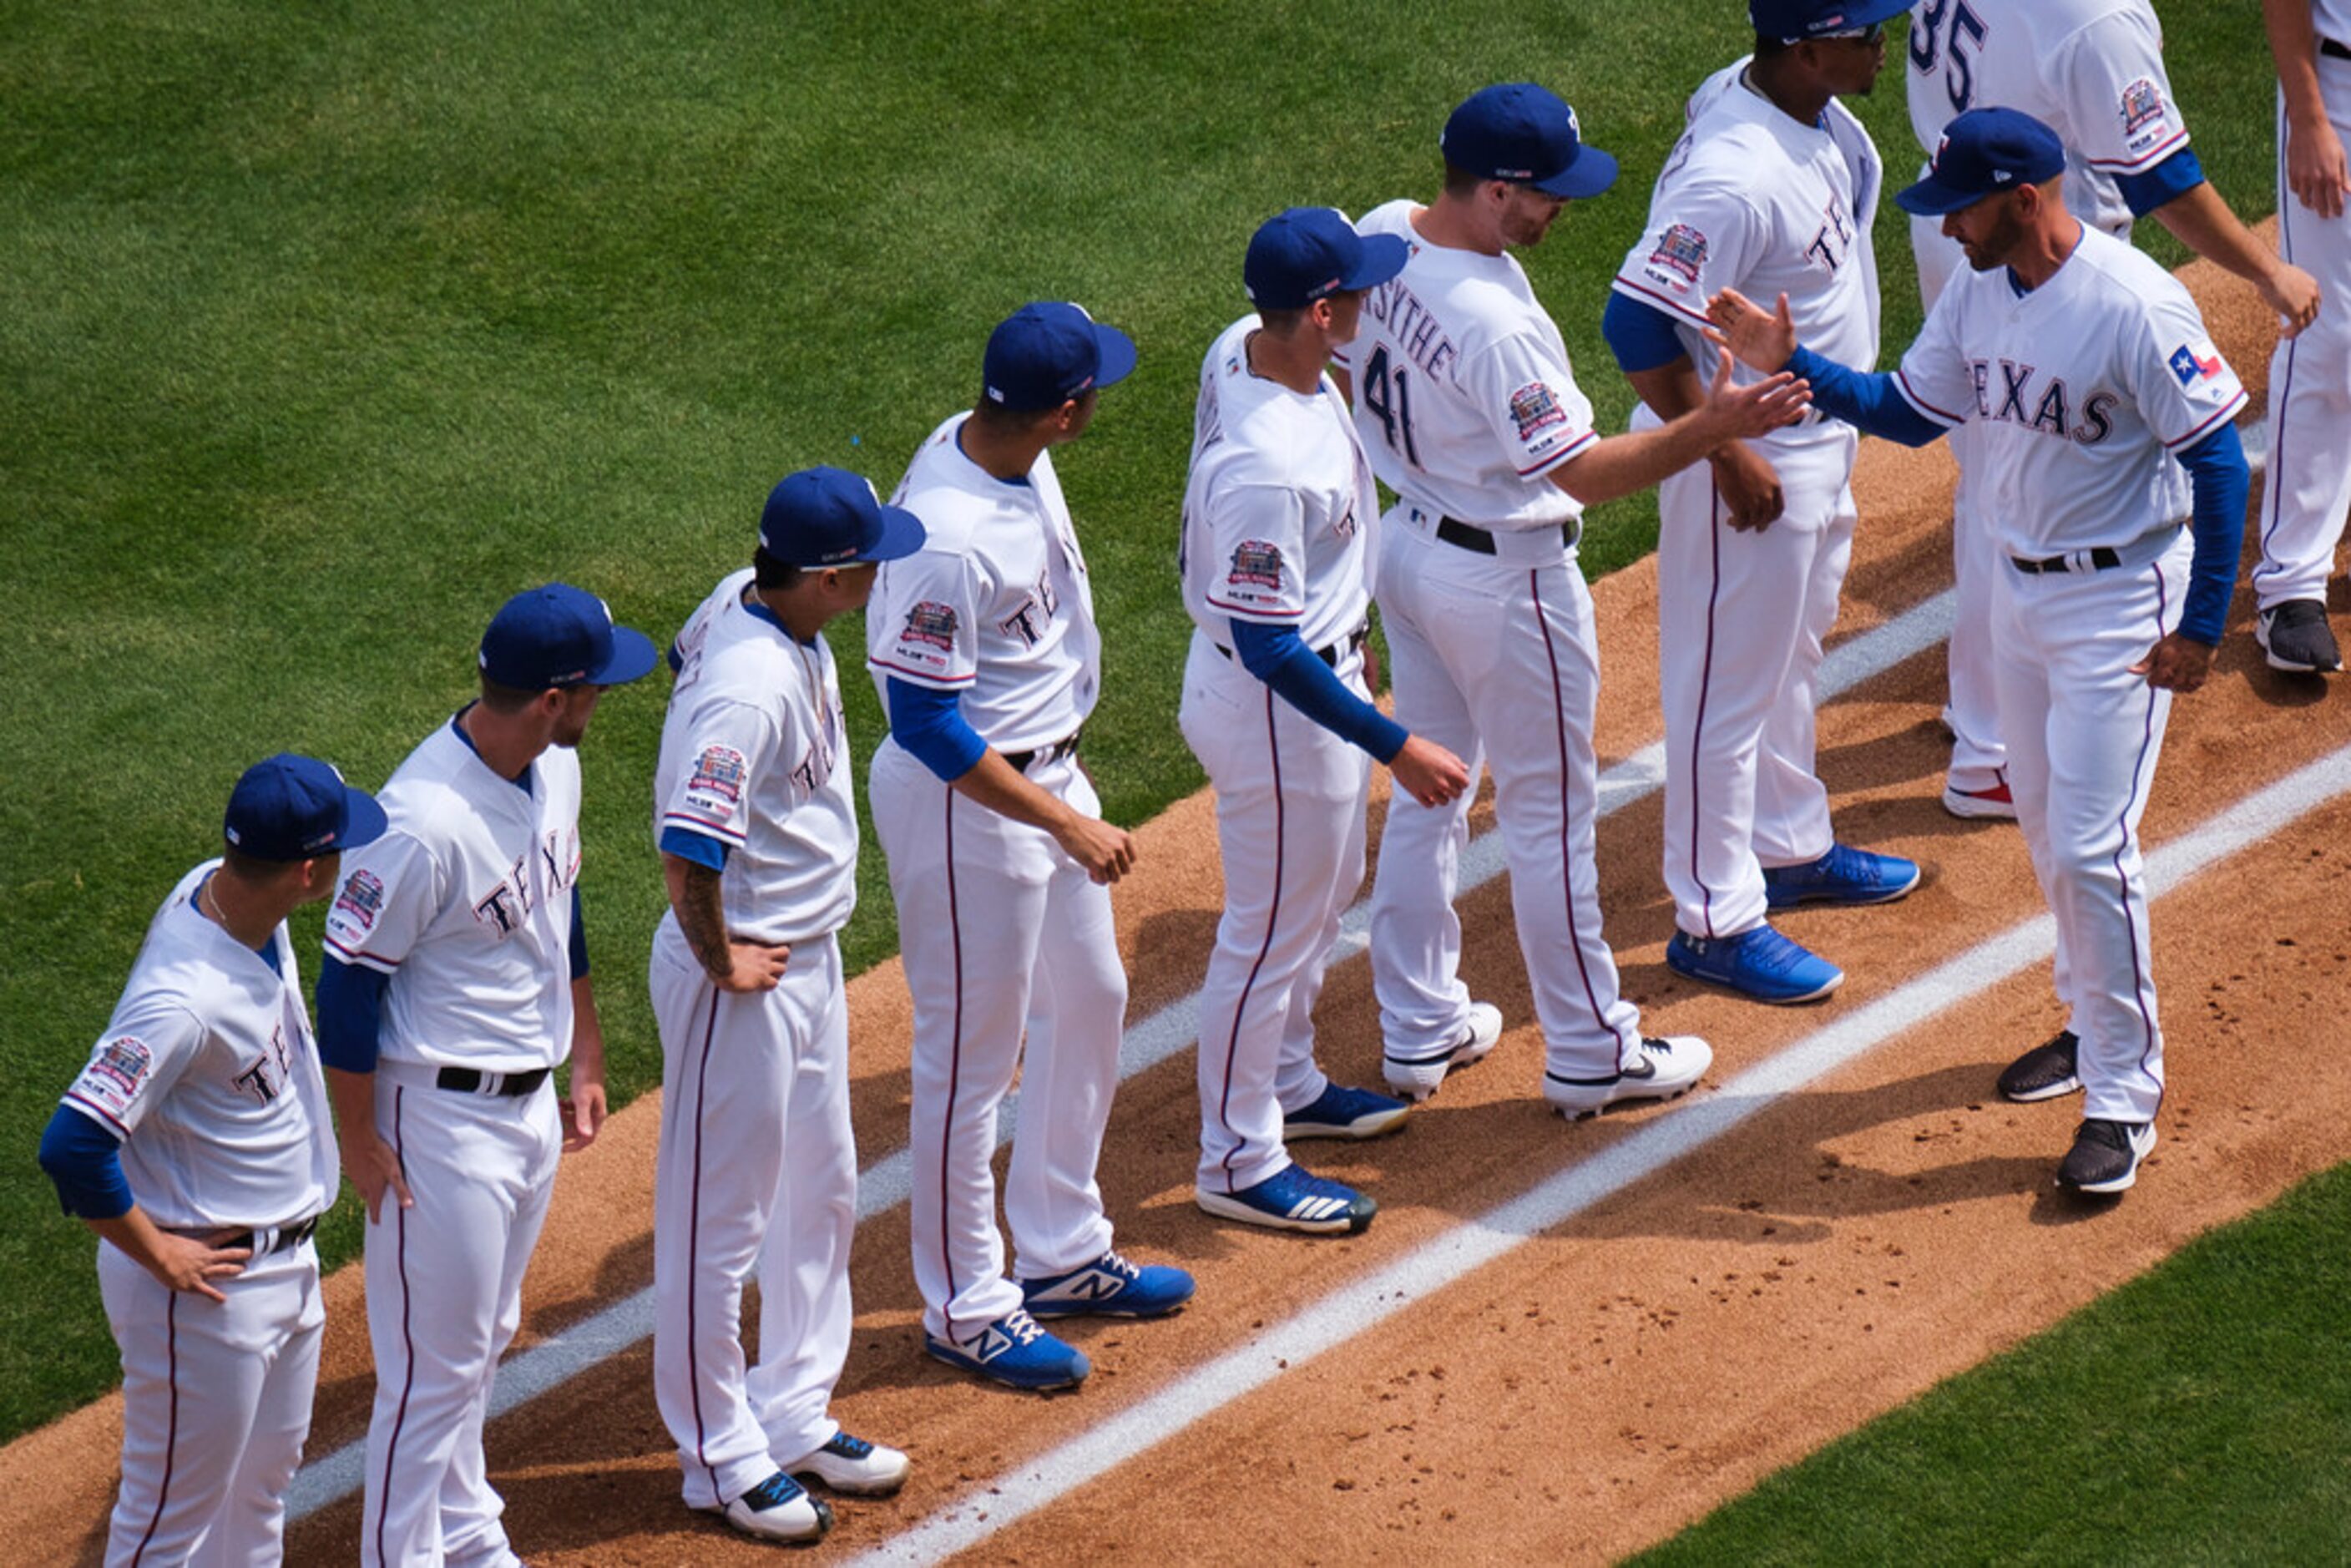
(504, 700)
(1014, 421)
(249, 868)
(1768, 46)
(767, 571)
(1460, 182)
(1282, 323)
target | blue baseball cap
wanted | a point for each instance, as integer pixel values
(560, 635)
(1311, 253)
(1983, 152)
(830, 517)
(1525, 134)
(290, 808)
(1799, 21)
(1046, 353)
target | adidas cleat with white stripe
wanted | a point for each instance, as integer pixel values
(1293, 1198)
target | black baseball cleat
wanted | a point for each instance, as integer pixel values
(2295, 636)
(2043, 1073)
(2106, 1155)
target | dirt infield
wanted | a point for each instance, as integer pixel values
(1838, 1250)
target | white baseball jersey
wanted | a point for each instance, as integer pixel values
(1751, 200)
(2082, 388)
(1279, 509)
(209, 1059)
(995, 604)
(2333, 19)
(752, 754)
(1464, 397)
(466, 902)
(2092, 70)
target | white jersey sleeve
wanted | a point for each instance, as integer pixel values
(393, 890)
(1703, 237)
(149, 1044)
(2111, 78)
(1936, 376)
(2184, 389)
(923, 625)
(1257, 544)
(1530, 400)
(732, 745)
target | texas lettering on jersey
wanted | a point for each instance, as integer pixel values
(2011, 393)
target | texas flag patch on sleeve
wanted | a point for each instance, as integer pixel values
(2197, 362)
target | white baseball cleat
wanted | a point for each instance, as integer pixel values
(1417, 1077)
(852, 1465)
(778, 1509)
(1667, 1068)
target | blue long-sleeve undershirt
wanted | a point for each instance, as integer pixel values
(929, 723)
(2223, 482)
(2151, 188)
(1642, 337)
(1869, 402)
(1280, 658)
(85, 1160)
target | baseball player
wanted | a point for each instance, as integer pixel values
(757, 1169)
(2089, 370)
(1773, 188)
(1467, 405)
(2310, 375)
(196, 1144)
(2093, 71)
(456, 982)
(1276, 565)
(984, 647)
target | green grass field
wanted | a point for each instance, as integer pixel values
(324, 327)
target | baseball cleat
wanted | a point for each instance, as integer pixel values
(2106, 1155)
(2295, 636)
(2043, 1073)
(1993, 804)
(1667, 1068)
(1015, 1352)
(1345, 1114)
(1417, 1076)
(1109, 1287)
(852, 1465)
(1293, 1198)
(1760, 964)
(1843, 875)
(778, 1509)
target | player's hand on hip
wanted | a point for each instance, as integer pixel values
(1758, 338)
(374, 1169)
(754, 965)
(2177, 664)
(2316, 170)
(583, 1111)
(1748, 486)
(1106, 852)
(188, 1263)
(2294, 295)
(1428, 772)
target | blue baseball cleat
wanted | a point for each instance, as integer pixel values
(1340, 1112)
(1760, 963)
(1843, 875)
(1015, 1352)
(1109, 1287)
(1293, 1198)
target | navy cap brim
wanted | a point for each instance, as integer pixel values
(1929, 198)
(1592, 172)
(634, 657)
(1116, 351)
(902, 535)
(1384, 257)
(365, 820)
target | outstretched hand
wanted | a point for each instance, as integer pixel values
(1738, 413)
(1758, 338)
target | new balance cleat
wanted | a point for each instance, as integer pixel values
(1667, 1068)
(1760, 964)
(1340, 1112)
(2106, 1155)
(1015, 1352)
(778, 1509)
(2043, 1073)
(2295, 636)
(1995, 804)
(1293, 1198)
(1843, 875)
(852, 1465)
(1109, 1287)
(1416, 1075)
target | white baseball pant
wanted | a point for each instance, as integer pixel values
(757, 1175)
(2310, 390)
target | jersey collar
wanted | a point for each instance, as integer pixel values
(457, 729)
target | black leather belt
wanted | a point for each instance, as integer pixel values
(1332, 654)
(2100, 560)
(1481, 541)
(1067, 747)
(2333, 50)
(288, 1235)
(510, 1085)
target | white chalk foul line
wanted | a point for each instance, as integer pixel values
(884, 1184)
(1355, 1308)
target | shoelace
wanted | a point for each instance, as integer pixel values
(849, 1448)
(1120, 1266)
(776, 1488)
(1021, 1326)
